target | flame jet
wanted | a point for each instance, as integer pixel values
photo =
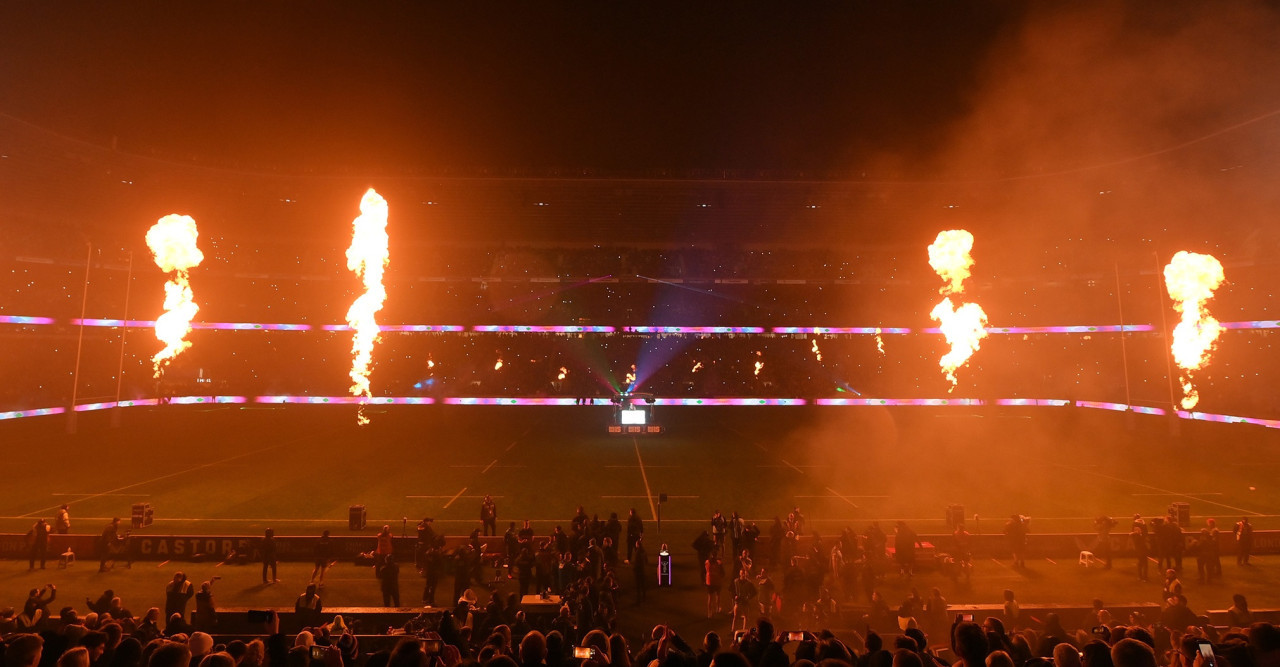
(367, 257)
(1191, 279)
(172, 241)
(964, 326)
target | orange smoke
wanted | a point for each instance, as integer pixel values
(963, 326)
(1191, 279)
(173, 242)
(367, 256)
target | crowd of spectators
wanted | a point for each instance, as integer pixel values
(90, 641)
(787, 602)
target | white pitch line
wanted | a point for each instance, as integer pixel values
(668, 497)
(839, 496)
(631, 467)
(125, 495)
(489, 467)
(792, 466)
(518, 439)
(111, 492)
(1173, 493)
(1165, 492)
(455, 496)
(459, 495)
(855, 505)
(648, 492)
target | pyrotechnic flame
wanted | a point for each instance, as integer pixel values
(879, 342)
(497, 365)
(1191, 279)
(963, 326)
(759, 362)
(697, 366)
(564, 372)
(367, 257)
(949, 257)
(631, 376)
(173, 242)
(816, 352)
(430, 363)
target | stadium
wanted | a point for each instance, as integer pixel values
(600, 405)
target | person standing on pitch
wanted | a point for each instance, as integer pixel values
(640, 567)
(323, 555)
(267, 550)
(1244, 540)
(109, 544)
(744, 593)
(635, 530)
(385, 545)
(713, 578)
(489, 516)
(389, 581)
(62, 520)
(38, 538)
(1016, 532)
(1141, 551)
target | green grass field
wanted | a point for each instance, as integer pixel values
(237, 471)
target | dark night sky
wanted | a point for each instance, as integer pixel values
(615, 85)
(952, 91)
